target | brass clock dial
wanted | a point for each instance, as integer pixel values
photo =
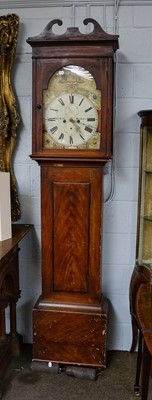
(71, 107)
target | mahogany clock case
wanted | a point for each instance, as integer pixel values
(70, 317)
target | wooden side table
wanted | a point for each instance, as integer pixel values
(144, 318)
(9, 293)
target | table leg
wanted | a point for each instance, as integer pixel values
(16, 339)
(134, 335)
(3, 305)
(138, 366)
(146, 363)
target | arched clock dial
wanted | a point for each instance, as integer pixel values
(72, 110)
(71, 119)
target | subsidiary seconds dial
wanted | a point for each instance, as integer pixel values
(71, 119)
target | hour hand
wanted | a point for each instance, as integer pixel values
(75, 124)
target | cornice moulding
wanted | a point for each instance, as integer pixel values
(12, 4)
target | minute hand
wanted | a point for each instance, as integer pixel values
(77, 126)
(87, 121)
(91, 126)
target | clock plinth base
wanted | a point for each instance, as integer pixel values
(70, 333)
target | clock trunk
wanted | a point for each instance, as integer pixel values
(70, 318)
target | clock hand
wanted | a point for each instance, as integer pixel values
(72, 120)
(75, 124)
(79, 122)
(52, 119)
(85, 123)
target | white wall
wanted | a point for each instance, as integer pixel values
(134, 92)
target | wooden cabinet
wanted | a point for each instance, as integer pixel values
(141, 280)
(73, 78)
(144, 236)
(143, 269)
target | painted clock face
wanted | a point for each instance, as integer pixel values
(71, 119)
(71, 109)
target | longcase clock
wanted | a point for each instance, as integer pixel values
(72, 141)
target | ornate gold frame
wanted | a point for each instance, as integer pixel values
(9, 116)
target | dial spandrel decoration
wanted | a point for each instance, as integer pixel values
(71, 110)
